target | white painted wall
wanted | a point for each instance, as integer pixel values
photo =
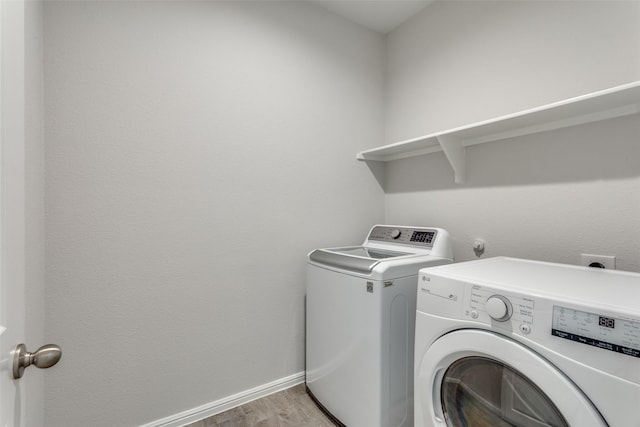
(195, 152)
(550, 196)
(460, 62)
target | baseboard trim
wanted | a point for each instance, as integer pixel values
(218, 406)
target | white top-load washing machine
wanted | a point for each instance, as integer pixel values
(510, 342)
(360, 322)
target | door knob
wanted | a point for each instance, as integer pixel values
(44, 357)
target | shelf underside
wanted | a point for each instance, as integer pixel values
(615, 102)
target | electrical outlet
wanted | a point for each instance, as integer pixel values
(599, 261)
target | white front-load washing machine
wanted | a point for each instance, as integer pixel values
(510, 342)
(360, 318)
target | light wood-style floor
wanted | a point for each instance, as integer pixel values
(289, 408)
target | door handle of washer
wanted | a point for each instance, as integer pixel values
(44, 357)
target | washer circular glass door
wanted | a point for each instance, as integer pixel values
(476, 378)
(482, 391)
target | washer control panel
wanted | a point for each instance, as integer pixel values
(609, 333)
(516, 313)
(500, 307)
(423, 237)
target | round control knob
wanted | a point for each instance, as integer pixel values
(395, 233)
(499, 308)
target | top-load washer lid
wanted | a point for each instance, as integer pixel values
(394, 249)
(354, 258)
(373, 253)
(400, 249)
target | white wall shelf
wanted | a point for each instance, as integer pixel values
(606, 104)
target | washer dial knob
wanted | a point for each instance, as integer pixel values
(395, 233)
(499, 308)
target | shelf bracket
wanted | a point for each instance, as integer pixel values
(455, 152)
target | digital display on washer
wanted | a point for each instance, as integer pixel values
(607, 322)
(422, 236)
(609, 333)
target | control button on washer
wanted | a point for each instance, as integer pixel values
(524, 328)
(474, 314)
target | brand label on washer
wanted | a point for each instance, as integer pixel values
(370, 287)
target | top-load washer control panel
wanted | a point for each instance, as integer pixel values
(422, 237)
